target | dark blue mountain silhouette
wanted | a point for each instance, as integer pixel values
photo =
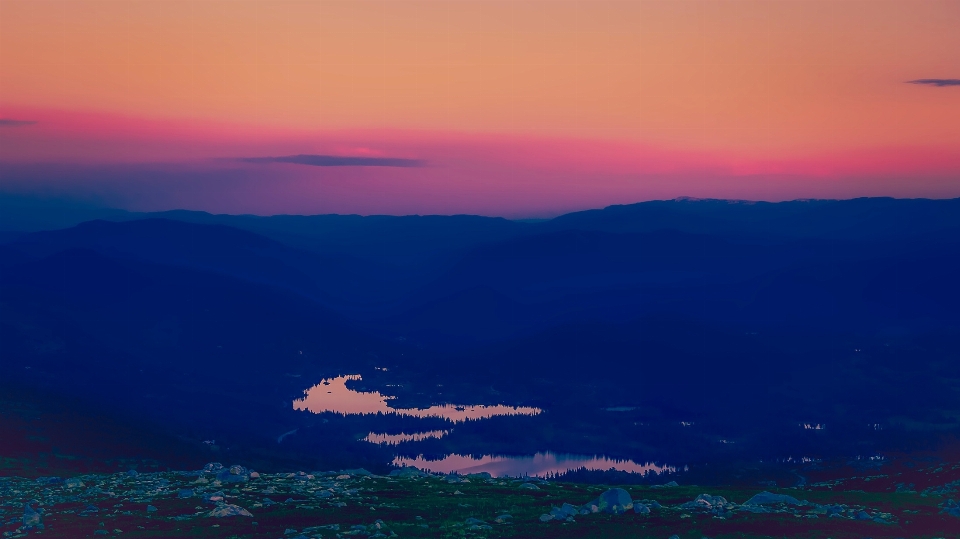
(835, 310)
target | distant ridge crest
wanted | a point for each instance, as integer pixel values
(725, 200)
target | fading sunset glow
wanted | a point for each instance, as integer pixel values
(513, 107)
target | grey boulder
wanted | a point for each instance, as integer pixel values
(705, 501)
(564, 512)
(615, 501)
(766, 498)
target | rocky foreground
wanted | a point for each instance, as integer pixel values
(233, 501)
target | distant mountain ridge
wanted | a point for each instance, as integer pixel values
(582, 265)
(857, 218)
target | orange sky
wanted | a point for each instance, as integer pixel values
(745, 81)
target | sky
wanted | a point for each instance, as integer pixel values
(519, 108)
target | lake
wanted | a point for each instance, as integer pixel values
(540, 464)
(333, 395)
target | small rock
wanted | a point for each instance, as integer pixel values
(234, 474)
(951, 508)
(214, 497)
(406, 472)
(151, 509)
(31, 518)
(765, 498)
(48, 480)
(73, 482)
(185, 493)
(528, 486)
(229, 510)
(833, 510)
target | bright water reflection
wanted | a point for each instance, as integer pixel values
(541, 464)
(394, 439)
(332, 395)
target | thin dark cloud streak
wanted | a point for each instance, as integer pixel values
(940, 83)
(10, 122)
(338, 161)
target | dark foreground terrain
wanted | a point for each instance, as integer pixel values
(79, 475)
(861, 499)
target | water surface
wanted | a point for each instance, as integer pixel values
(394, 439)
(541, 464)
(332, 395)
